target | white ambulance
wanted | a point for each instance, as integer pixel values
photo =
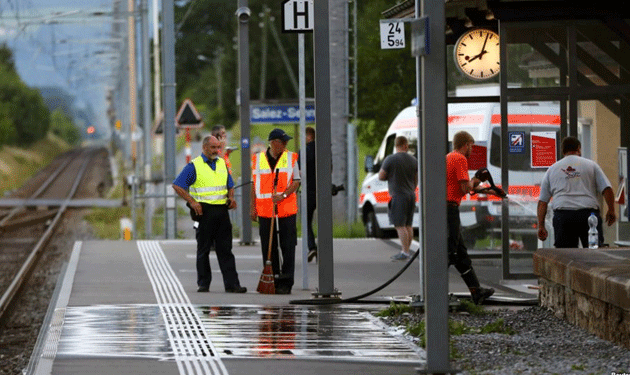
(480, 214)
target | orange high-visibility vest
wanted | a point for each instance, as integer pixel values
(263, 177)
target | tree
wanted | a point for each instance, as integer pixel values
(26, 109)
(386, 78)
(61, 125)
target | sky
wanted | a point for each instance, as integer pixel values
(53, 46)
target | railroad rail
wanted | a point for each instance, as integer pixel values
(25, 230)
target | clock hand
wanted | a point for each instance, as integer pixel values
(483, 49)
(476, 57)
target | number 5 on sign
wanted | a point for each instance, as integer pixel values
(392, 34)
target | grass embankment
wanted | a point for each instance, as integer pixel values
(17, 165)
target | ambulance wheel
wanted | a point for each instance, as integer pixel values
(371, 226)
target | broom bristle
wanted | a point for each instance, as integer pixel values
(266, 285)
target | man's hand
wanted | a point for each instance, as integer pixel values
(253, 214)
(277, 197)
(542, 233)
(610, 217)
(232, 204)
(196, 206)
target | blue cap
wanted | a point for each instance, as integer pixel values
(279, 134)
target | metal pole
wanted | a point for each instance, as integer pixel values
(168, 79)
(304, 175)
(133, 107)
(434, 197)
(421, 182)
(243, 14)
(146, 114)
(323, 149)
(157, 89)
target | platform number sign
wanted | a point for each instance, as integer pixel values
(392, 34)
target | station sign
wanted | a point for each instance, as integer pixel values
(543, 145)
(298, 16)
(280, 114)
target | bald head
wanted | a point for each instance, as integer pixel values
(211, 146)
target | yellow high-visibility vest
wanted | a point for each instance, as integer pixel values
(210, 186)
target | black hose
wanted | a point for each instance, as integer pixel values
(333, 301)
(243, 184)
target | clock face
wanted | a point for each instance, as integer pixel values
(477, 54)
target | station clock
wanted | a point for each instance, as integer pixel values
(477, 54)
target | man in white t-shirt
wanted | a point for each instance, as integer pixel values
(575, 184)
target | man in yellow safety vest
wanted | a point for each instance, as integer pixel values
(207, 186)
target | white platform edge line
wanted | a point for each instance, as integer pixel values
(45, 363)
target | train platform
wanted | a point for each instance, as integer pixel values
(132, 307)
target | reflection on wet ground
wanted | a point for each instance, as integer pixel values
(292, 332)
(114, 331)
(350, 333)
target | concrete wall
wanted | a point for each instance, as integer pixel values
(606, 136)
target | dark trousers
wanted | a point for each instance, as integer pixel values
(215, 229)
(288, 241)
(569, 226)
(310, 210)
(457, 252)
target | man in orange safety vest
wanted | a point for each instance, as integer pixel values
(275, 178)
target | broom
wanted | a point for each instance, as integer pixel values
(266, 285)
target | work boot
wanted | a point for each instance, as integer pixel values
(480, 294)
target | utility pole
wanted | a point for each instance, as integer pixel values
(146, 113)
(157, 88)
(242, 14)
(168, 79)
(339, 112)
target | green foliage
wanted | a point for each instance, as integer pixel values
(386, 78)
(25, 118)
(469, 307)
(61, 125)
(396, 309)
(8, 135)
(456, 328)
(6, 58)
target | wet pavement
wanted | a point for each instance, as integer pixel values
(132, 307)
(276, 332)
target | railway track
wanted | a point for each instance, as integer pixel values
(25, 230)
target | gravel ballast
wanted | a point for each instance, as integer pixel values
(541, 344)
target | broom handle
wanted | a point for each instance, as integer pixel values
(271, 237)
(275, 185)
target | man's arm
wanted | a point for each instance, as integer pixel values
(382, 175)
(541, 212)
(196, 206)
(609, 197)
(466, 186)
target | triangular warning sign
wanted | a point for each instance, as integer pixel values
(188, 117)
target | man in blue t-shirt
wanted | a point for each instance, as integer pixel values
(207, 185)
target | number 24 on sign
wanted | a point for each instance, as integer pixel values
(392, 34)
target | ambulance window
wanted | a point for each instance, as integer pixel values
(389, 145)
(413, 147)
